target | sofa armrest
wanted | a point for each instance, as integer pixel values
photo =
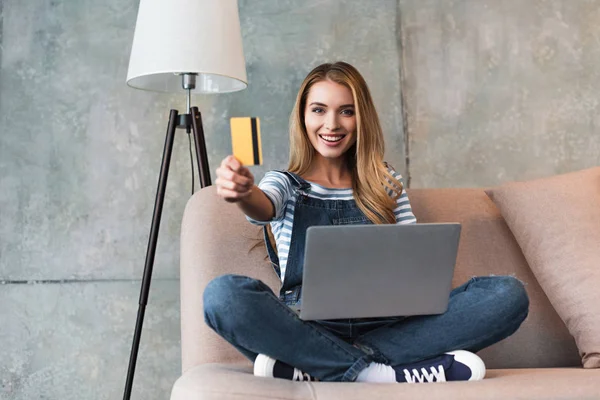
(216, 239)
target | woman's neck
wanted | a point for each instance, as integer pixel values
(329, 173)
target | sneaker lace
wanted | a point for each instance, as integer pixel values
(300, 376)
(436, 375)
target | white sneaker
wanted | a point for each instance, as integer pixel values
(268, 367)
(459, 365)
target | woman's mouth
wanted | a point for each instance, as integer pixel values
(332, 139)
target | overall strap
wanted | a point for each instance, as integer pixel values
(299, 184)
(297, 181)
(271, 252)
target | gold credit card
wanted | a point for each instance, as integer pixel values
(245, 140)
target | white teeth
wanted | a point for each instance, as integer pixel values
(332, 138)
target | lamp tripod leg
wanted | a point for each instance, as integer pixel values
(151, 250)
(201, 155)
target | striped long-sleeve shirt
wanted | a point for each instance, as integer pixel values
(280, 191)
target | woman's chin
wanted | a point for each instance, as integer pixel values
(331, 154)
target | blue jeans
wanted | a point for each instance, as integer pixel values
(246, 313)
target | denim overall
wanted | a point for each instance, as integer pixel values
(245, 311)
(308, 212)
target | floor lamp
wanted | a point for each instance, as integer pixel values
(188, 46)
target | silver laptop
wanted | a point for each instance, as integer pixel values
(364, 271)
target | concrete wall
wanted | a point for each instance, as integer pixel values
(79, 160)
(491, 91)
(500, 90)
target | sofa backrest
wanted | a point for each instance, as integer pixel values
(487, 247)
(216, 239)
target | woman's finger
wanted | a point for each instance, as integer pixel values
(231, 185)
(230, 195)
(229, 175)
(233, 163)
(244, 171)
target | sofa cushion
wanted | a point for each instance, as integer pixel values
(556, 222)
(226, 382)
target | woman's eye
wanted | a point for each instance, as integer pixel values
(348, 112)
(317, 110)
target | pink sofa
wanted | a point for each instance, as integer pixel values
(540, 361)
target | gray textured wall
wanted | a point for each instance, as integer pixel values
(79, 160)
(500, 90)
(492, 91)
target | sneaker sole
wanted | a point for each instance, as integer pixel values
(474, 362)
(263, 366)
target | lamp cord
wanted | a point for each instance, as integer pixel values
(191, 161)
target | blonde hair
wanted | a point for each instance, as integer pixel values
(371, 179)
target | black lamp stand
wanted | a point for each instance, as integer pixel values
(193, 121)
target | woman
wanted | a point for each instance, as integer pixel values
(337, 175)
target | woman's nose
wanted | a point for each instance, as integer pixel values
(331, 121)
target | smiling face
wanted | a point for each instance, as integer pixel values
(330, 119)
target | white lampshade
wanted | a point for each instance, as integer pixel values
(173, 37)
